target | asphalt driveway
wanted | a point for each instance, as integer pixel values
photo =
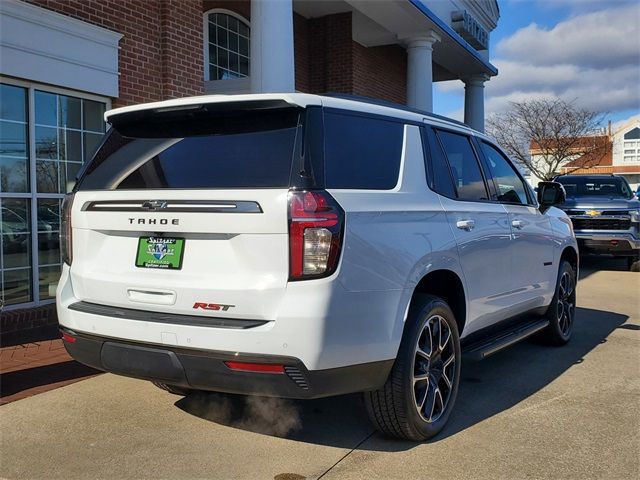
(528, 412)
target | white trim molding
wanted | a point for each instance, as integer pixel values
(43, 46)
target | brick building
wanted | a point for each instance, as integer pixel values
(63, 62)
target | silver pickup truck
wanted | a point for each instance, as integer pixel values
(605, 216)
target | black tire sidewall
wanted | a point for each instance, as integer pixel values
(552, 314)
(418, 316)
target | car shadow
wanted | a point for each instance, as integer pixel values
(487, 388)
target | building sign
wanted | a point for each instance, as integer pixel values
(469, 29)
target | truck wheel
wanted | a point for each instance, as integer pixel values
(562, 311)
(173, 389)
(634, 264)
(417, 399)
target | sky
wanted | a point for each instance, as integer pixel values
(587, 51)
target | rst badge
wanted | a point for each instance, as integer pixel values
(212, 306)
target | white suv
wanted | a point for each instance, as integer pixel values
(304, 246)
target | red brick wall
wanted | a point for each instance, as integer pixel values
(380, 72)
(330, 54)
(161, 50)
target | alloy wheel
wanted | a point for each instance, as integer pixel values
(433, 369)
(566, 303)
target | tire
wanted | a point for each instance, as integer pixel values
(423, 374)
(183, 392)
(634, 264)
(562, 311)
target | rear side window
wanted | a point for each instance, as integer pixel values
(252, 150)
(361, 152)
(510, 186)
(464, 166)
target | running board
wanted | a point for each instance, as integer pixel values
(486, 347)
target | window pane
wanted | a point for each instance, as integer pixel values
(70, 143)
(212, 33)
(243, 29)
(361, 152)
(243, 46)
(13, 175)
(510, 187)
(47, 142)
(48, 248)
(49, 277)
(233, 63)
(13, 139)
(223, 58)
(244, 66)
(222, 40)
(48, 215)
(70, 112)
(17, 286)
(13, 103)
(464, 166)
(47, 176)
(93, 115)
(14, 216)
(46, 109)
(214, 73)
(233, 42)
(213, 54)
(233, 24)
(15, 250)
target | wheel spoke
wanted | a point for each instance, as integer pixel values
(420, 378)
(420, 402)
(430, 404)
(446, 340)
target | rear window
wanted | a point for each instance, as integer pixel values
(253, 149)
(361, 152)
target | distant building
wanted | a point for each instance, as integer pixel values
(615, 153)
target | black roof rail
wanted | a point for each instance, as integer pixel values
(397, 106)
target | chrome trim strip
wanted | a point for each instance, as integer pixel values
(174, 206)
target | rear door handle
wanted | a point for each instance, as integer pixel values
(466, 225)
(517, 224)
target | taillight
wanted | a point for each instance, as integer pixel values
(316, 224)
(65, 229)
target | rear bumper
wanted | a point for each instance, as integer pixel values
(206, 370)
(609, 243)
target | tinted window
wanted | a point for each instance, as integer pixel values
(576, 186)
(510, 186)
(464, 166)
(189, 154)
(440, 176)
(361, 152)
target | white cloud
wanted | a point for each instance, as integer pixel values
(592, 58)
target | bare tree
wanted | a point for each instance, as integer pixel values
(550, 136)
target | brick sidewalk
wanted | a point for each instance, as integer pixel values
(35, 367)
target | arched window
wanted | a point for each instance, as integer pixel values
(226, 37)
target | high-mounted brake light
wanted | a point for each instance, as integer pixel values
(65, 229)
(315, 234)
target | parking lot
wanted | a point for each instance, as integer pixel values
(528, 412)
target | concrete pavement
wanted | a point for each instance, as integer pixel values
(528, 412)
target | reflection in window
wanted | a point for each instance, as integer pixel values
(510, 187)
(227, 40)
(464, 166)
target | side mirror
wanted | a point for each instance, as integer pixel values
(550, 194)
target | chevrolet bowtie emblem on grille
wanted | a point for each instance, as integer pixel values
(593, 213)
(154, 204)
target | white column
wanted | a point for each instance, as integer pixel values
(272, 62)
(419, 71)
(474, 101)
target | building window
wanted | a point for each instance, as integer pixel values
(45, 136)
(226, 46)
